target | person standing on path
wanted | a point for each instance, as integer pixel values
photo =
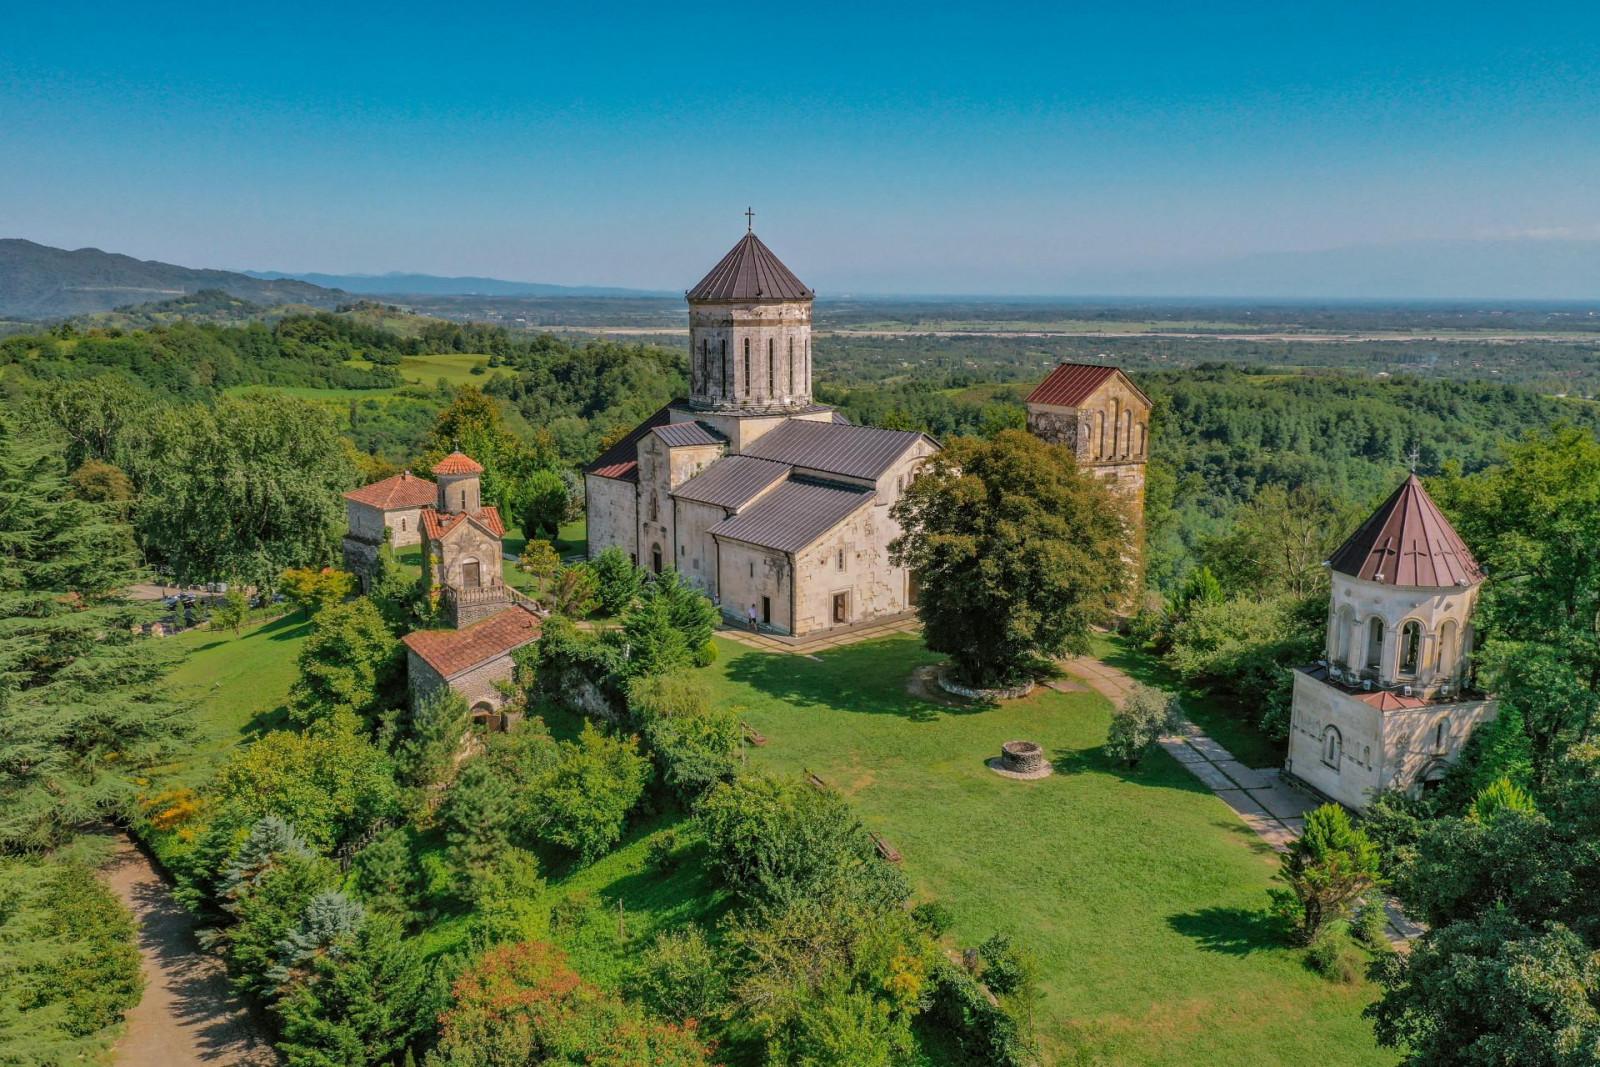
(751, 615)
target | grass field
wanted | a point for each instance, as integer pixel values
(1142, 894)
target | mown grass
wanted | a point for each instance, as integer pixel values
(1141, 893)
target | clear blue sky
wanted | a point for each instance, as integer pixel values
(993, 148)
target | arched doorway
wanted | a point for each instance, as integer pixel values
(655, 558)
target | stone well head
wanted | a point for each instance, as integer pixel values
(1022, 757)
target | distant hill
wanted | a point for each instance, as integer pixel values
(399, 284)
(40, 282)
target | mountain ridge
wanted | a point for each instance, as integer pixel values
(409, 283)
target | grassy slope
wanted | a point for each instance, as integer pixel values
(1141, 894)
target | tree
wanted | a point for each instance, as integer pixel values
(695, 742)
(232, 611)
(242, 490)
(386, 873)
(618, 580)
(668, 625)
(680, 976)
(265, 910)
(1278, 541)
(1500, 795)
(350, 664)
(1491, 990)
(473, 424)
(394, 592)
(101, 483)
(429, 738)
(84, 700)
(544, 504)
(1018, 552)
(539, 558)
(1146, 715)
(1534, 524)
(1330, 866)
(360, 1005)
(573, 593)
(582, 804)
(314, 588)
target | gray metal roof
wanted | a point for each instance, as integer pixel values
(750, 272)
(621, 460)
(793, 515)
(732, 481)
(852, 451)
(679, 434)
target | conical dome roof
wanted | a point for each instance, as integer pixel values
(750, 272)
(1408, 542)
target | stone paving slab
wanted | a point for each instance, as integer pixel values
(1283, 802)
(1211, 750)
(1181, 752)
(1208, 773)
(1247, 778)
(1240, 801)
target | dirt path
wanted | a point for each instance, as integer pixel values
(187, 1015)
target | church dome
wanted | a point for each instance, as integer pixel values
(750, 271)
(1408, 542)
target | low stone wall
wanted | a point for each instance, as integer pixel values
(1008, 693)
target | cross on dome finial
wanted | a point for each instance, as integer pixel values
(1416, 454)
(749, 220)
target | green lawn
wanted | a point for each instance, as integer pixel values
(1142, 894)
(455, 369)
(239, 686)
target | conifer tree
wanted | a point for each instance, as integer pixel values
(83, 704)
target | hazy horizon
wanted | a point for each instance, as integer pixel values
(1053, 151)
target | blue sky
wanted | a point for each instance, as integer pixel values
(885, 148)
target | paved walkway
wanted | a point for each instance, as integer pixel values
(1271, 807)
(188, 1015)
(838, 637)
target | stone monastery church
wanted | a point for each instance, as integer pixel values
(755, 494)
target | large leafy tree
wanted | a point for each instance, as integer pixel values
(1019, 554)
(84, 709)
(1534, 523)
(243, 490)
(1330, 866)
(350, 664)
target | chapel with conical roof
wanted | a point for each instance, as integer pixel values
(772, 504)
(1393, 701)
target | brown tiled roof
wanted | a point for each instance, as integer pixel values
(1070, 384)
(435, 523)
(404, 490)
(750, 272)
(732, 481)
(795, 514)
(458, 463)
(621, 460)
(1408, 542)
(835, 448)
(450, 652)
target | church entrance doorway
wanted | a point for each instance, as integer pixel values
(841, 608)
(766, 611)
(469, 575)
(655, 558)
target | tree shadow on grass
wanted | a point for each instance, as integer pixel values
(1232, 931)
(869, 678)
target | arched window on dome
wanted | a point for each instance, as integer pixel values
(725, 390)
(747, 366)
(1374, 643)
(1410, 647)
(772, 369)
(1447, 661)
(1100, 449)
(1343, 625)
(791, 366)
(1332, 747)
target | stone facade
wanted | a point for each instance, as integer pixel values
(479, 686)
(750, 355)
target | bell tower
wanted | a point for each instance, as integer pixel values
(750, 334)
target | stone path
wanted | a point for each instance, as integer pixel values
(838, 637)
(1271, 807)
(188, 1015)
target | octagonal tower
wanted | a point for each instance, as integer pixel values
(750, 335)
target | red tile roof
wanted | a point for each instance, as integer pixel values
(1070, 384)
(404, 490)
(750, 272)
(621, 460)
(435, 524)
(1408, 542)
(458, 463)
(450, 652)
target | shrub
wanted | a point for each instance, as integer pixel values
(1499, 796)
(680, 976)
(695, 742)
(71, 960)
(1371, 925)
(350, 664)
(984, 1032)
(1007, 968)
(1332, 954)
(1144, 717)
(934, 917)
(1328, 867)
(1243, 648)
(582, 804)
(662, 852)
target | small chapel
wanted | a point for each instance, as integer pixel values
(774, 506)
(1394, 699)
(461, 566)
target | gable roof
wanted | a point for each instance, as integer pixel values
(732, 481)
(750, 272)
(458, 463)
(621, 460)
(682, 434)
(403, 490)
(451, 652)
(435, 523)
(1408, 542)
(795, 514)
(1070, 384)
(835, 448)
